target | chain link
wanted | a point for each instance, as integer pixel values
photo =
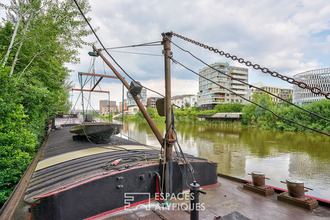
(290, 80)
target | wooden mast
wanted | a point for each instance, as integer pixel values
(169, 139)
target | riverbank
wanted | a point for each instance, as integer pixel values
(254, 116)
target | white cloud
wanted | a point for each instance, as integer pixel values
(281, 35)
(286, 36)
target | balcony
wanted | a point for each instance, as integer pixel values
(239, 81)
(239, 87)
(218, 96)
(239, 72)
(218, 100)
(240, 77)
(240, 92)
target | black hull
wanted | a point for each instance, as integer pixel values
(107, 193)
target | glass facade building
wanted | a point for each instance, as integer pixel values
(315, 78)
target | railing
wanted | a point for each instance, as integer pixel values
(239, 77)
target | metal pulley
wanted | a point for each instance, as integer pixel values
(135, 88)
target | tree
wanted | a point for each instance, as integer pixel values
(248, 115)
(253, 114)
(229, 107)
(186, 104)
(33, 79)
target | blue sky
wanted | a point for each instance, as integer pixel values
(286, 36)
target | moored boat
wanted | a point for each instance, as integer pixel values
(97, 130)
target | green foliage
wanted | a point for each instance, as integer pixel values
(230, 107)
(17, 145)
(208, 112)
(48, 36)
(259, 117)
(139, 116)
(5, 35)
(186, 115)
(321, 108)
(248, 114)
(186, 104)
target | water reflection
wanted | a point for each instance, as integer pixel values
(238, 151)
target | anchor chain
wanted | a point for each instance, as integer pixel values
(255, 66)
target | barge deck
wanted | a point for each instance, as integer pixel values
(228, 200)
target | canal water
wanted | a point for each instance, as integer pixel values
(239, 151)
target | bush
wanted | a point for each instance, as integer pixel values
(230, 107)
(17, 146)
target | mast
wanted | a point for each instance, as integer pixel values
(122, 106)
(168, 104)
(169, 139)
(82, 94)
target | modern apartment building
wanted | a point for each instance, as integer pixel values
(284, 93)
(319, 78)
(211, 94)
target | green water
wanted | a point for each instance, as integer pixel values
(238, 151)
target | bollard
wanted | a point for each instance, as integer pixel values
(258, 179)
(194, 200)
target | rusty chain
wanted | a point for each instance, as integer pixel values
(290, 80)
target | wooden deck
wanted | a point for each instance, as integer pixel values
(227, 200)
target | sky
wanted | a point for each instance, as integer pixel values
(289, 37)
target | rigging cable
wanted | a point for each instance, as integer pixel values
(98, 39)
(90, 93)
(154, 43)
(137, 53)
(302, 85)
(183, 157)
(289, 120)
(92, 62)
(310, 112)
(71, 111)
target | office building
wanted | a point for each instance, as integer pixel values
(319, 78)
